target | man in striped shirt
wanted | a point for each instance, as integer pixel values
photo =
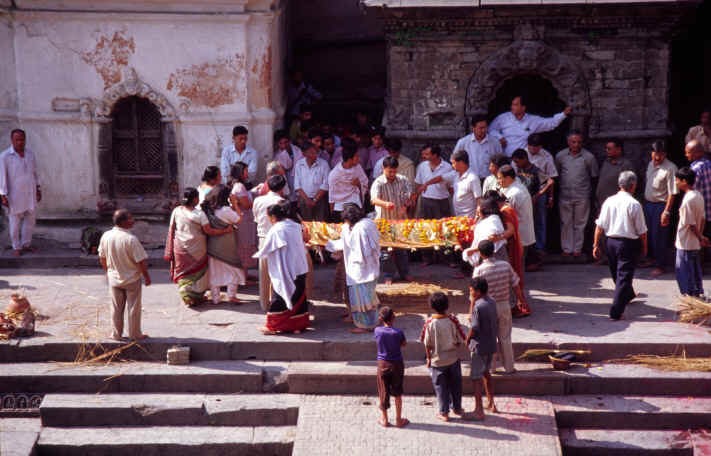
(501, 279)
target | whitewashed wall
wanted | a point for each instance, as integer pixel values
(215, 70)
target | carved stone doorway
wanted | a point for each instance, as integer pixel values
(541, 99)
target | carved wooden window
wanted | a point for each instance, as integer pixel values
(139, 162)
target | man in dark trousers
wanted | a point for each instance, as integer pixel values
(622, 221)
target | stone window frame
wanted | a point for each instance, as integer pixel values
(158, 205)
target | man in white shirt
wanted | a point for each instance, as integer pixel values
(19, 191)
(480, 146)
(543, 160)
(465, 184)
(276, 185)
(689, 235)
(311, 184)
(124, 261)
(347, 183)
(432, 189)
(520, 199)
(622, 221)
(513, 128)
(239, 151)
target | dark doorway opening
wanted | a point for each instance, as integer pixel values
(690, 67)
(542, 99)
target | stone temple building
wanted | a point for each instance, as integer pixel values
(126, 102)
(451, 59)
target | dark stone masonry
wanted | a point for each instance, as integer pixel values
(610, 63)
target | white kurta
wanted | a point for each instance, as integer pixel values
(516, 132)
(18, 180)
(482, 230)
(361, 251)
(286, 257)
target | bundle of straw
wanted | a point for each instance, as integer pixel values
(694, 310)
(543, 353)
(667, 363)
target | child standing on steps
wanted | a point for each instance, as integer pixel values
(482, 343)
(442, 336)
(391, 368)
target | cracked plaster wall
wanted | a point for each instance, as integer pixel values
(209, 68)
(8, 81)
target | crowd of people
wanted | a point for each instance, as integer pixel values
(500, 175)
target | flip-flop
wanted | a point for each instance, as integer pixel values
(403, 422)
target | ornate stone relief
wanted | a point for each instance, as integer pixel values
(528, 57)
(129, 86)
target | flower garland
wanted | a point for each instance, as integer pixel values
(409, 233)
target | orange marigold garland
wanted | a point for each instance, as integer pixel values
(410, 233)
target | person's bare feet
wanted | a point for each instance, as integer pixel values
(118, 338)
(267, 332)
(444, 418)
(402, 422)
(459, 412)
(492, 407)
(656, 272)
(140, 337)
(235, 301)
(389, 282)
(477, 415)
(566, 254)
(17, 253)
(383, 423)
(298, 331)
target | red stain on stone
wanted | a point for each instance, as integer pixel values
(262, 73)
(211, 84)
(110, 55)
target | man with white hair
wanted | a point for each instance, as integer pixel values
(622, 221)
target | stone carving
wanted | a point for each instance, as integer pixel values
(528, 57)
(132, 85)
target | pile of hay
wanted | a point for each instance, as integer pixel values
(667, 363)
(537, 354)
(694, 310)
(414, 297)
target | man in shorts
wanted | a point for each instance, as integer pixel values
(482, 343)
(391, 368)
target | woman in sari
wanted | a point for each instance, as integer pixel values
(186, 248)
(360, 242)
(241, 197)
(210, 177)
(224, 265)
(286, 258)
(513, 242)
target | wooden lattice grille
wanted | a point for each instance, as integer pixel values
(138, 154)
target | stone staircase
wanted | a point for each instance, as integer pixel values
(276, 408)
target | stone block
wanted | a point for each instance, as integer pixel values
(600, 55)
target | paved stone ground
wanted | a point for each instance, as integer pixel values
(570, 304)
(523, 427)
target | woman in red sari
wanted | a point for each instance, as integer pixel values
(513, 241)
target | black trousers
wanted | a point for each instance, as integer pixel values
(622, 255)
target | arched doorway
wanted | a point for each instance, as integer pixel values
(138, 158)
(541, 98)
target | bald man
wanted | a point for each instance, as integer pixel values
(124, 260)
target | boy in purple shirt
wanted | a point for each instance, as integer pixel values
(391, 368)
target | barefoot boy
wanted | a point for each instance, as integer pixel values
(482, 343)
(442, 337)
(391, 369)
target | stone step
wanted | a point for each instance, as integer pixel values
(288, 349)
(133, 377)
(18, 436)
(85, 410)
(596, 442)
(632, 412)
(165, 440)
(532, 379)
